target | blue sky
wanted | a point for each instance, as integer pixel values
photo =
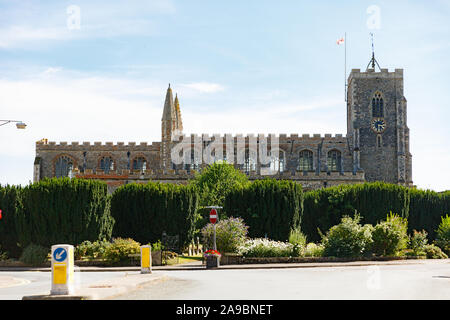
(237, 66)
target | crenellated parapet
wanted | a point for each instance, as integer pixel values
(45, 145)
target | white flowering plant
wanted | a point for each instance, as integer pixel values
(261, 247)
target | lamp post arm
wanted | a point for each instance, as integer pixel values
(7, 121)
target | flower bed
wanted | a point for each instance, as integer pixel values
(232, 259)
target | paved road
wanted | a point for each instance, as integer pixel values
(23, 283)
(422, 281)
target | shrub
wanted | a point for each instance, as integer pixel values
(265, 248)
(35, 255)
(417, 242)
(119, 250)
(313, 250)
(297, 237)
(91, 250)
(216, 181)
(157, 246)
(443, 235)
(347, 239)
(298, 240)
(390, 236)
(324, 208)
(3, 255)
(434, 252)
(230, 234)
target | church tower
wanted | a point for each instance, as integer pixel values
(171, 125)
(377, 125)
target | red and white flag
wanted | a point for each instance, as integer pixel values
(340, 41)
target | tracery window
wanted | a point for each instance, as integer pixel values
(334, 160)
(305, 160)
(377, 105)
(63, 167)
(106, 164)
(140, 163)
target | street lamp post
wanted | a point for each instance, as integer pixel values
(19, 124)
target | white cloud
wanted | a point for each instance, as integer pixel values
(205, 87)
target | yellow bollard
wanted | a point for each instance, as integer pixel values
(146, 259)
(62, 269)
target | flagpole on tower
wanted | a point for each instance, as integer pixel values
(345, 65)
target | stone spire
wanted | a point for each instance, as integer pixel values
(169, 108)
(179, 122)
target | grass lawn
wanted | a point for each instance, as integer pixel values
(185, 259)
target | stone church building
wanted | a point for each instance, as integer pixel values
(375, 148)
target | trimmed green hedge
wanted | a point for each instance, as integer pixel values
(64, 211)
(144, 211)
(426, 209)
(54, 211)
(269, 207)
(9, 199)
(324, 208)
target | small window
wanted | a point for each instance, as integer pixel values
(379, 141)
(140, 163)
(106, 164)
(63, 167)
(305, 160)
(334, 160)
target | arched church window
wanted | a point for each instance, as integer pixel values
(139, 163)
(334, 160)
(305, 160)
(63, 167)
(106, 164)
(377, 105)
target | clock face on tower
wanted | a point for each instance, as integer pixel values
(378, 125)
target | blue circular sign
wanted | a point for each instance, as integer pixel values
(60, 254)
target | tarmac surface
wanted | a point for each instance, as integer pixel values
(112, 287)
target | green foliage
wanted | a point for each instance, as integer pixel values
(434, 252)
(119, 249)
(443, 235)
(262, 248)
(91, 250)
(297, 238)
(269, 207)
(314, 250)
(144, 211)
(347, 239)
(390, 236)
(10, 200)
(3, 255)
(323, 208)
(216, 181)
(35, 255)
(157, 246)
(231, 233)
(417, 242)
(63, 211)
(426, 209)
